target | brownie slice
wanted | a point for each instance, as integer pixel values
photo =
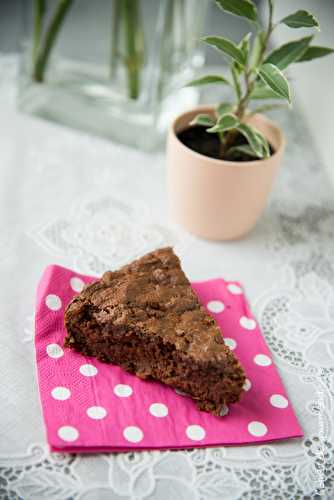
(147, 319)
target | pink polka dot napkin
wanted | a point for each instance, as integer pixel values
(90, 406)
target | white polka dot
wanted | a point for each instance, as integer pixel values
(158, 410)
(247, 323)
(76, 284)
(68, 433)
(123, 390)
(195, 432)
(133, 434)
(96, 412)
(247, 385)
(235, 289)
(216, 306)
(53, 302)
(54, 351)
(224, 411)
(278, 401)
(262, 360)
(61, 393)
(257, 429)
(88, 370)
(231, 343)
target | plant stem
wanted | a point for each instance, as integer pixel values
(227, 140)
(50, 38)
(116, 10)
(133, 44)
(242, 106)
(39, 10)
(249, 82)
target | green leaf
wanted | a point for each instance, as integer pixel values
(223, 108)
(265, 144)
(250, 133)
(263, 92)
(244, 45)
(236, 82)
(289, 52)
(225, 122)
(237, 68)
(245, 149)
(314, 52)
(241, 8)
(205, 80)
(301, 19)
(227, 47)
(266, 107)
(202, 119)
(275, 79)
(257, 48)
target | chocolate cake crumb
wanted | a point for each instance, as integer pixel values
(146, 318)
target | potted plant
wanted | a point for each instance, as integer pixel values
(222, 160)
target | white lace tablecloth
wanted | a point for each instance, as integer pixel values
(75, 200)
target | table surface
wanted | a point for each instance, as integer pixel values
(79, 201)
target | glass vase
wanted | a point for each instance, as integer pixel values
(116, 68)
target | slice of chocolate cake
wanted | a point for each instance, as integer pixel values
(147, 319)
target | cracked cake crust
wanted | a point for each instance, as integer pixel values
(146, 318)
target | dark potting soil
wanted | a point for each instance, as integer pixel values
(199, 140)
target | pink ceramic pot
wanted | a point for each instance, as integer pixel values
(216, 199)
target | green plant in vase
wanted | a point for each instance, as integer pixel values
(42, 45)
(127, 39)
(127, 36)
(256, 73)
(128, 47)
